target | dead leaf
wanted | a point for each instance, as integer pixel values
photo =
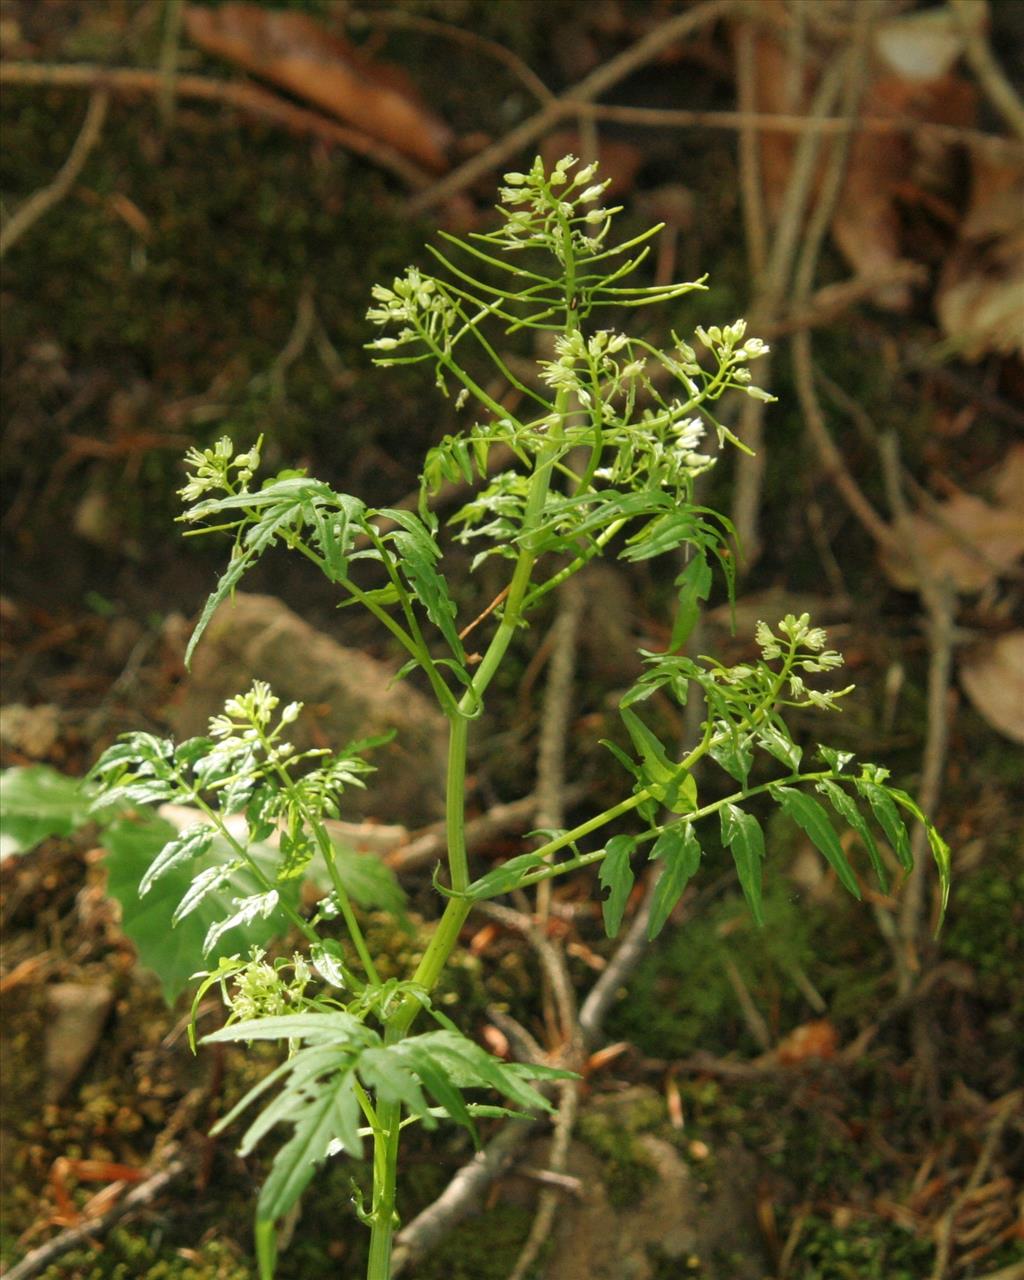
(294, 51)
(993, 678)
(817, 1039)
(980, 299)
(923, 45)
(1008, 479)
(911, 76)
(969, 541)
(867, 226)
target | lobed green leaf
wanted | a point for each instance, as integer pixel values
(680, 853)
(742, 834)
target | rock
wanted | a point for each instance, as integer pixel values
(596, 1241)
(33, 731)
(664, 1213)
(76, 1012)
(347, 695)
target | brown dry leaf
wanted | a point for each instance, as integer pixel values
(779, 89)
(969, 541)
(817, 1039)
(297, 53)
(993, 678)
(911, 75)
(980, 300)
(867, 227)
(1007, 479)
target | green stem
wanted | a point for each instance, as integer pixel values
(304, 927)
(455, 802)
(344, 902)
(389, 1114)
(385, 1173)
(326, 848)
(596, 855)
(446, 935)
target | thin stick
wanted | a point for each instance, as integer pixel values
(551, 960)
(554, 719)
(998, 148)
(424, 847)
(752, 1016)
(592, 86)
(466, 1189)
(86, 1232)
(831, 459)
(754, 219)
(486, 613)
(43, 200)
(462, 35)
(944, 1234)
(550, 1199)
(997, 86)
(170, 46)
(767, 302)
(248, 97)
(616, 974)
(939, 600)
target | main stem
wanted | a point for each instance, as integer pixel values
(446, 936)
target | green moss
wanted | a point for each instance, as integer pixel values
(483, 1248)
(611, 1127)
(875, 1250)
(681, 998)
(127, 1254)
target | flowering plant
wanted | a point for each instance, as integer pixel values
(605, 459)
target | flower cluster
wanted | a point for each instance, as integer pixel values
(542, 210)
(213, 468)
(587, 368)
(260, 989)
(421, 305)
(804, 650)
(728, 347)
(249, 714)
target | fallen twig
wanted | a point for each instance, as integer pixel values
(465, 1190)
(996, 147)
(603, 993)
(939, 600)
(247, 97)
(87, 1231)
(766, 307)
(993, 79)
(944, 1236)
(423, 847)
(592, 86)
(43, 200)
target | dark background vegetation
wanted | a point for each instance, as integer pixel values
(209, 275)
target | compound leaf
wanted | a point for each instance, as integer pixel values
(888, 817)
